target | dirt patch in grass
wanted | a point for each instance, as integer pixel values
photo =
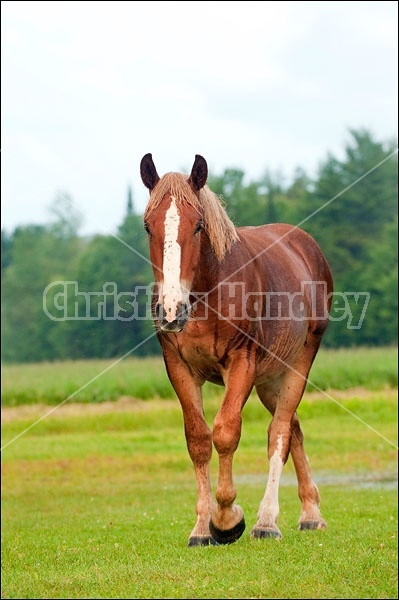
(123, 404)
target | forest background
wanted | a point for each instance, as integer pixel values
(350, 208)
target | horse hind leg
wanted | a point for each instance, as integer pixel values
(310, 517)
(285, 436)
(308, 492)
(278, 449)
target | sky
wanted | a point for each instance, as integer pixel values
(88, 88)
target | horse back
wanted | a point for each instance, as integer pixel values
(283, 254)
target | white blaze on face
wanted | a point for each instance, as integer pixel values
(171, 289)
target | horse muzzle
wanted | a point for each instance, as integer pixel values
(172, 325)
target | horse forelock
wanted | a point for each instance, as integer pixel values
(220, 229)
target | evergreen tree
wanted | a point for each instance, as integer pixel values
(119, 264)
(6, 251)
(39, 257)
(352, 203)
(130, 207)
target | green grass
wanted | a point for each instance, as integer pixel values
(108, 380)
(84, 381)
(98, 502)
(373, 368)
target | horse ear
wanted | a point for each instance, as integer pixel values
(148, 172)
(199, 173)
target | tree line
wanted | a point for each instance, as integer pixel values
(53, 279)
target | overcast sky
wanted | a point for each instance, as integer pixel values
(88, 88)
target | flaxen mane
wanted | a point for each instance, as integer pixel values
(220, 229)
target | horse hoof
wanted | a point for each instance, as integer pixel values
(227, 536)
(266, 532)
(201, 541)
(311, 525)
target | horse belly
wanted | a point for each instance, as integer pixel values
(281, 344)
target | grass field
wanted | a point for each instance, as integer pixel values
(98, 498)
(108, 380)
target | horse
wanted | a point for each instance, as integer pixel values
(241, 307)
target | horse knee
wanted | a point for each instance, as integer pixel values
(226, 435)
(199, 444)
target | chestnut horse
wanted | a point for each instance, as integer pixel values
(241, 307)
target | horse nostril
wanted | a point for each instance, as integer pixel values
(159, 312)
(181, 316)
(185, 308)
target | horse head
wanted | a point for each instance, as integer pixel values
(174, 230)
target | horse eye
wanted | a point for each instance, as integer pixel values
(199, 227)
(147, 228)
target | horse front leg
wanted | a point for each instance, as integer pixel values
(227, 523)
(199, 445)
